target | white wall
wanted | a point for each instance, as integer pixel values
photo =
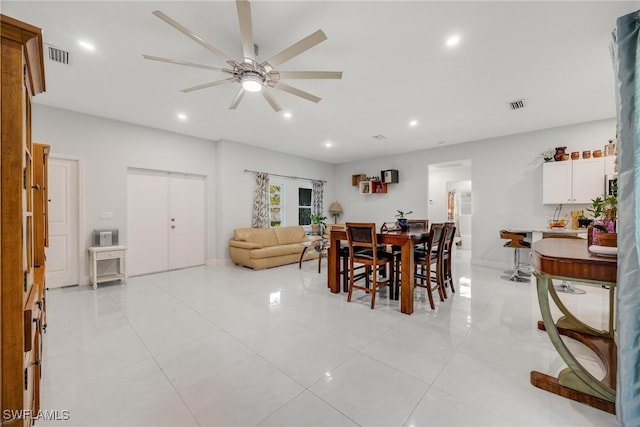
(108, 148)
(236, 187)
(506, 176)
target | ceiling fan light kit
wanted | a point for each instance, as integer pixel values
(251, 75)
(252, 81)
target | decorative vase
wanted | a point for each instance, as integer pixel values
(575, 155)
(597, 153)
(559, 152)
(608, 224)
(586, 154)
(608, 239)
(402, 223)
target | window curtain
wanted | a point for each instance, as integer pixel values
(260, 218)
(318, 189)
(626, 55)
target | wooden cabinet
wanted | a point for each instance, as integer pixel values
(372, 187)
(572, 181)
(21, 296)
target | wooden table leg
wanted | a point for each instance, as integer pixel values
(302, 256)
(575, 382)
(407, 277)
(333, 266)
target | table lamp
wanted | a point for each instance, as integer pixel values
(335, 210)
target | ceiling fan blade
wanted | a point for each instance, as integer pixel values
(206, 85)
(296, 49)
(179, 62)
(295, 91)
(310, 74)
(237, 99)
(271, 100)
(192, 35)
(246, 30)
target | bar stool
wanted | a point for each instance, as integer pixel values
(517, 242)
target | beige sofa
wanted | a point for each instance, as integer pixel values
(260, 248)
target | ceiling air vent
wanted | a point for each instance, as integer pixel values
(58, 55)
(516, 105)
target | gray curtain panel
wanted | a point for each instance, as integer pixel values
(260, 217)
(626, 55)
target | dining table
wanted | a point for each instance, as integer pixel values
(404, 239)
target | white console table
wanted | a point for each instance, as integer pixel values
(101, 253)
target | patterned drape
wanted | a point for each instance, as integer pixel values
(316, 204)
(260, 217)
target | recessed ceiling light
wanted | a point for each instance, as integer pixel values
(328, 144)
(86, 45)
(413, 123)
(453, 40)
(182, 116)
(287, 115)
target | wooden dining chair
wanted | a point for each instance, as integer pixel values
(364, 250)
(449, 237)
(426, 259)
(414, 225)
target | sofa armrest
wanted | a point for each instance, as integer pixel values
(244, 245)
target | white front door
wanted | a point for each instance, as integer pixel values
(62, 253)
(186, 229)
(165, 221)
(147, 222)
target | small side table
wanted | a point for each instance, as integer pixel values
(101, 253)
(320, 246)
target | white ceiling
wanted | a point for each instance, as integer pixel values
(555, 55)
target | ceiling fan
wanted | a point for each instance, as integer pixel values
(252, 75)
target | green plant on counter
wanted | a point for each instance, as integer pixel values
(604, 208)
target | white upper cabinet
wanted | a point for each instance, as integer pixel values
(572, 181)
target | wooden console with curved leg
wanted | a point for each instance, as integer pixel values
(571, 260)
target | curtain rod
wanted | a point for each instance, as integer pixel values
(288, 176)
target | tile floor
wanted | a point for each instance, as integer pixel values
(228, 346)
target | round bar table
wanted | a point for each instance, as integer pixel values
(570, 259)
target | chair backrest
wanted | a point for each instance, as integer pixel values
(418, 224)
(362, 234)
(512, 235)
(449, 235)
(562, 236)
(436, 234)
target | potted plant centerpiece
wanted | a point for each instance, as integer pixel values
(317, 223)
(402, 219)
(604, 210)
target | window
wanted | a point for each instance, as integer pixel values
(304, 206)
(276, 193)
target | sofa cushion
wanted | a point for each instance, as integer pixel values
(275, 251)
(265, 237)
(288, 235)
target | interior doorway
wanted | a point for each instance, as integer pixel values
(451, 198)
(64, 257)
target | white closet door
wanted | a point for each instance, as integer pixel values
(62, 253)
(186, 211)
(147, 222)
